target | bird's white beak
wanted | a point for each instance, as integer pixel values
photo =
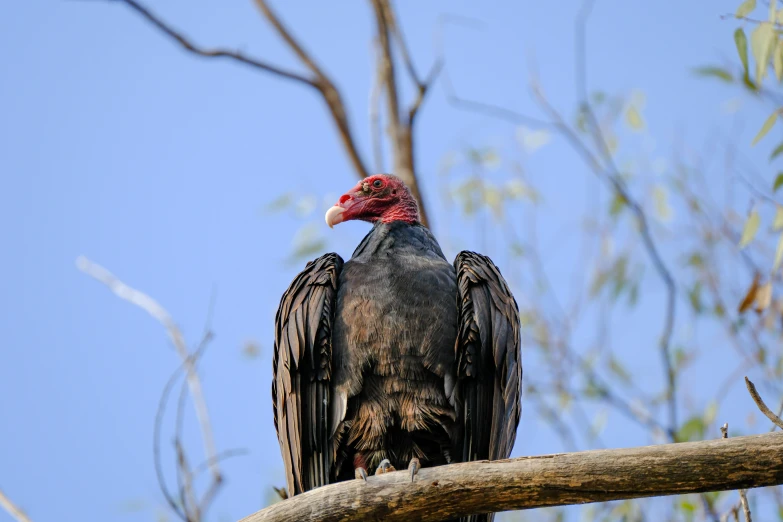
(334, 216)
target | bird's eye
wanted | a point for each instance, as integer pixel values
(377, 183)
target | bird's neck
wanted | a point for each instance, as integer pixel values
(406, 210)
(400, 237)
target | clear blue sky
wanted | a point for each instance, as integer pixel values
(116, 144)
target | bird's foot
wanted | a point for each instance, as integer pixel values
(384, 467)
(414, 467)
(360, 473)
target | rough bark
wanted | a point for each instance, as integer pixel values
(548, 480)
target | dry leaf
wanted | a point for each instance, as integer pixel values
(763, 297)
(750, 297)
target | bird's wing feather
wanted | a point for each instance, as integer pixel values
(302, 367)
(489, 370)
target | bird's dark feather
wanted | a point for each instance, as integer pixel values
(396, 354)
(302, 373)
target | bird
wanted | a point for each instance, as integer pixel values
(396, 358)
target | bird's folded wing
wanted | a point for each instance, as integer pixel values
(302, 371)
(489, 370)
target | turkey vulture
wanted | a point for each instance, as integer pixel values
(396, 358)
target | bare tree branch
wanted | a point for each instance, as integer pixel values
(745, 505)
(604, 169)
(215, 53)
(423, 89)
(550, 480)
(396, 31)
(724, 430)
(319, 81)
(12, 509)
(615, 180)
(400, 133)
(761, 405)
(387, 73)
(159, 313)
(494, 111)
(376, 91)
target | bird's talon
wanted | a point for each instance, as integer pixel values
(414, 467)
(384, 467)
(361, 473)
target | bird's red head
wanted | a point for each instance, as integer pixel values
(381, 197)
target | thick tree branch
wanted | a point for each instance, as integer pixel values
(376, 91)
(549, 480)
(387, 70)
(12, 509)
(400, 132)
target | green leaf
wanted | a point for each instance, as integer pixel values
(598, 283)
(777, 60)
(694, 428)
(633, 295)
(710, 412)
(741, 41)
(280, 203)
(778, 254)
(777, 223)
(634, 118)
(715, 72)
(619, 370)
(775, 153)
(696, 260)
(662, 208)
(763, 40)
(694, 295)
(750, 229)
(748, 83)
(618, 204)
(768, 124)
(745, 8)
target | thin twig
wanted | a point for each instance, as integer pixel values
(423, 89)
(185, 475)
(742, 493)
(761, 405)
(616, 181)
(422, 86)
(215, 53)
(185, 483)
(375, 111)
(152, 307)
(745, 505)
(494, 111)
(223, 455)
(319, 81)
(12, 509)
(322, 82)
(164, 399)
(396, 31)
